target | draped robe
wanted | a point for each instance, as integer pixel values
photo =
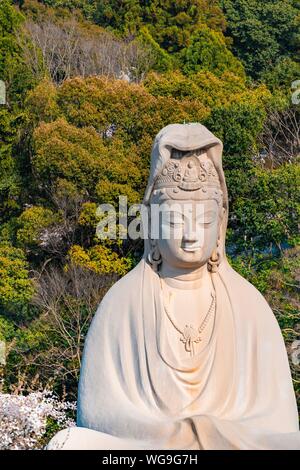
(236, 393)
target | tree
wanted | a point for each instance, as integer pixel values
(9, 175)
(264, 208)
(170, 22)
(10, 20)
(263, 32)
(61, 50)
(33, 226)
(207, 51)
(12, 117)
(17, 77)
(238, 125)
(9, 184)
(280, 138)
(16, 288)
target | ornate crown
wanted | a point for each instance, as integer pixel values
(191, 172)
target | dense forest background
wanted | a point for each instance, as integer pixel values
(89, 84)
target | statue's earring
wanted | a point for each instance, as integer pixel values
(154, 257)
(214, 260)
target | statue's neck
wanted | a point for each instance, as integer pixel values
(184, 278)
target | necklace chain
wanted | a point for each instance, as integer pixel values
(190, 335)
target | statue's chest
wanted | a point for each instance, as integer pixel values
(188, 321)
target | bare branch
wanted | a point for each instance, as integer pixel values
(67, 50)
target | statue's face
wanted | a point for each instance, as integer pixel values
(188, 232)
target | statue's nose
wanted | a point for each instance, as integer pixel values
(190, 235)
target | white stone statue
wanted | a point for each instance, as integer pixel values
(184, 353)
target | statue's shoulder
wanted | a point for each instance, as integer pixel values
(245, 286)
(126, 286)
(249, 299)
(122, 296)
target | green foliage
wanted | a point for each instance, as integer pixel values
(263, 32)
(12, 118)
(80, 157)
(10, 19)
(13, 70)
(31, 223)
(16, 288)
(207, 51)
(207, 88)
(9, 177)
(88, 216)
(41, 103)
(134, 112)
(163, 60)
(238, 126)
(7, 329)
(256, 268)
(100, 259)
(170, 23)
(282, 75)
(9, 184)
(265, 207)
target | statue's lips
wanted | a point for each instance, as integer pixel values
(191, 247)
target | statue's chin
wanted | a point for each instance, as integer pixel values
(191, 250)
(187, 266)
(188, 259)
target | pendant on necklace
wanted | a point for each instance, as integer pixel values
(189, 337)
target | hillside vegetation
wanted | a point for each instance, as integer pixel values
(89, 84)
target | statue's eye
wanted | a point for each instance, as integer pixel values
(174, 218)
(207, 218)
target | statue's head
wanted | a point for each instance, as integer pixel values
(187, 184)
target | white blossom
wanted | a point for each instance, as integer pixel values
(50, 236)
(23, 418)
